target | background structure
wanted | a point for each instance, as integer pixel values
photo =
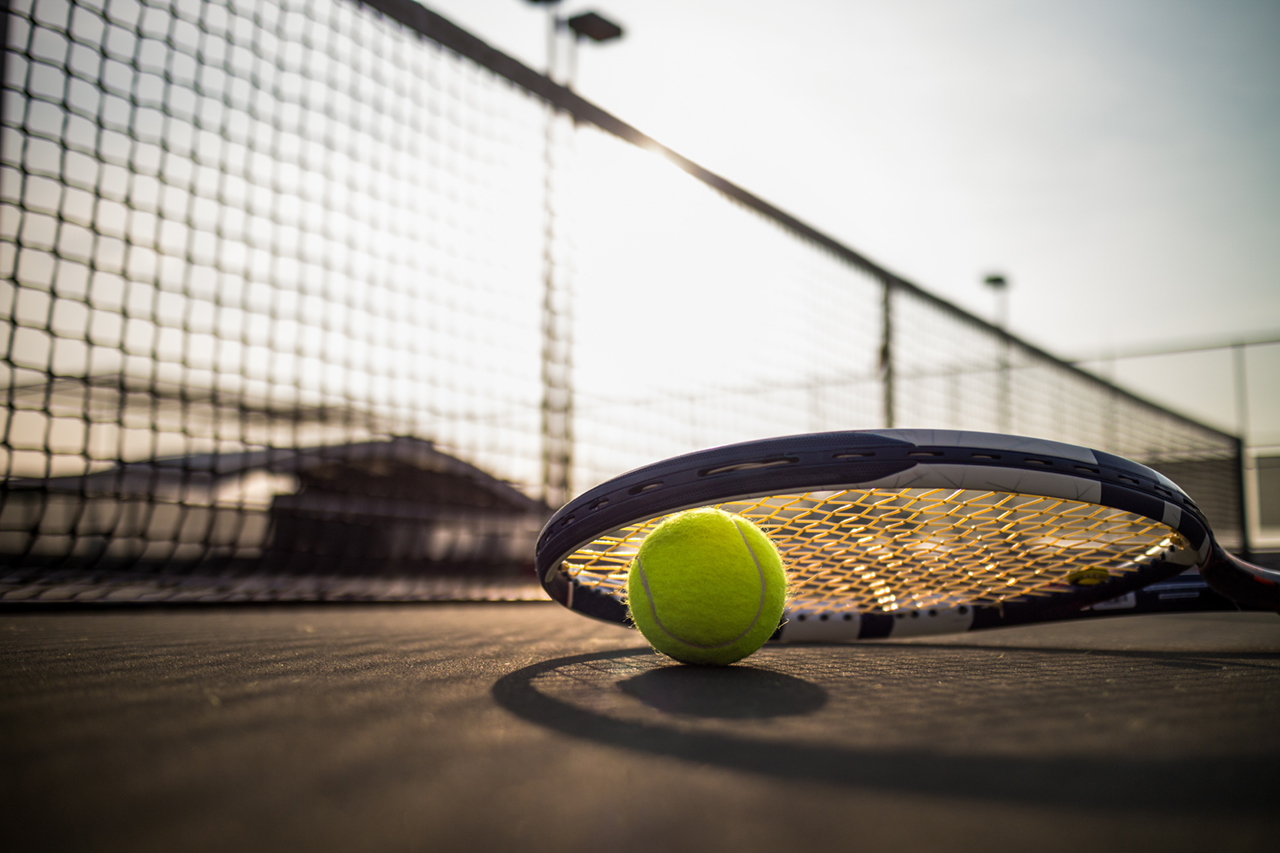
(274, 269)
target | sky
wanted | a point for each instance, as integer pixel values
(1117, 161)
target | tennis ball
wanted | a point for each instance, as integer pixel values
(706, 587)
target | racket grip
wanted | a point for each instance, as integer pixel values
(1251, 587)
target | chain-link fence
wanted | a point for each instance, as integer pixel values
(332, 289)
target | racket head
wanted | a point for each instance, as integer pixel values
(899, 531)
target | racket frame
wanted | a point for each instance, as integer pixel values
(906, 458)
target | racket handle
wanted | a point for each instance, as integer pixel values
(1252, 587)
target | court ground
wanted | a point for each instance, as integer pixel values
(521, 726)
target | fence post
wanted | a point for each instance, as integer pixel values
(557, 337)
(1242, 471)
(886, 351)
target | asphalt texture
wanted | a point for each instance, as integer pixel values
(439, 727)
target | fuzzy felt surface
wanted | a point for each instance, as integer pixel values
(707, 587)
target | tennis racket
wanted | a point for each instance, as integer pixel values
(902, 532)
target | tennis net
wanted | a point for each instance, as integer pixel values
(328, 297)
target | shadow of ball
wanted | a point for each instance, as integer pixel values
(730, 692)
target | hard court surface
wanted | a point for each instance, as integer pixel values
(525, 727)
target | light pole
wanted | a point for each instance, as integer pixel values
(557, 319)
(1000, 287)
(586, 25)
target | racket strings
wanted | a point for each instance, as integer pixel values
(885, 550)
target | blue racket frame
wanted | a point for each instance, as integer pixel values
(913, 458)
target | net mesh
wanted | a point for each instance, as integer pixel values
(883, 550)
(291, 289)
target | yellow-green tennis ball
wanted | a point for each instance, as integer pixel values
(707, 587)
